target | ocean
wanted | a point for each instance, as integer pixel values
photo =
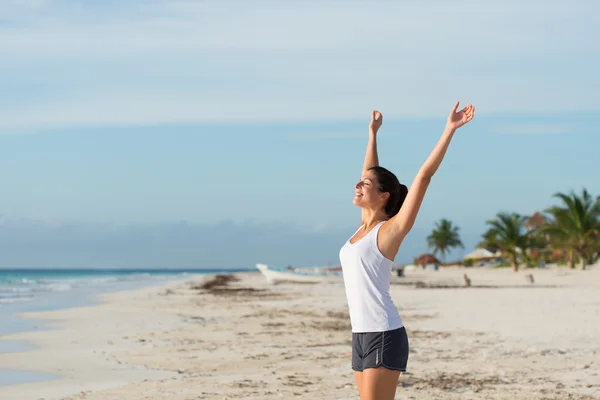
(32, 285)
(33, 290)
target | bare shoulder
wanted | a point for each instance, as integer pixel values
(389, 239)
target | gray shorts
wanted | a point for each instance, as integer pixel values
(387, 349)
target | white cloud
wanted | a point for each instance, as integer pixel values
(308, 136)
(27, 243)
(320, 226)
(66, 64)
(533, 129)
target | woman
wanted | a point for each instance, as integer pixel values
(389, 210)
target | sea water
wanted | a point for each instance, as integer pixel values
(33, 290)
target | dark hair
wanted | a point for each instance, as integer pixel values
(390, 184)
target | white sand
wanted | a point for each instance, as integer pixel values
(514, 340)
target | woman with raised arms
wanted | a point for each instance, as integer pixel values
(379, 340)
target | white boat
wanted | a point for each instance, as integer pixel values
(301, 274)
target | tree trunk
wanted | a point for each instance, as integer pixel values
(515, 265)
(582, 255)
(571, 258)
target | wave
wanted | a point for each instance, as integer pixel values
(11, 300)
(19, 286)
(16, 289)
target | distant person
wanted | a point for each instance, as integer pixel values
(379, 340)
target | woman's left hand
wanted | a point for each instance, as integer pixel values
(456, 119)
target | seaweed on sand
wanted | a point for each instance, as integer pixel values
(220, 285)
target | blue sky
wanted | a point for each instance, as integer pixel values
(132, 132)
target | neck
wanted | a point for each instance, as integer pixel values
(370, 218)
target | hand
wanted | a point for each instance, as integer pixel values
(376, 121)
(458, 119)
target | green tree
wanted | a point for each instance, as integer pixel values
(509, 235)
(489, 242)
(574, 226)
(444, 237)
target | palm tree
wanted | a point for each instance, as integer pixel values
(489, 242)
(444, 237)
(538, 241)
(508, 233)
(575, 226)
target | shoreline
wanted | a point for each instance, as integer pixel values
(85, 286)
(259, 341)
(25, 348)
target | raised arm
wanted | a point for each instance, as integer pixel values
(403, 222)
(371, 159)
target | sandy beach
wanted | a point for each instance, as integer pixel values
(502, 338)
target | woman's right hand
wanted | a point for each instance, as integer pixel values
(376, 121)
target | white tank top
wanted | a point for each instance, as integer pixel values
(367, 275)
